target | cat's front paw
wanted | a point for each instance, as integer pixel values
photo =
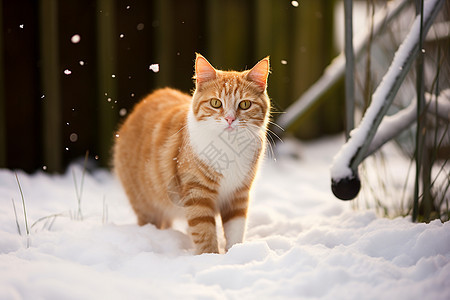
(207, 249)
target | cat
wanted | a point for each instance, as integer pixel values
(196, 156)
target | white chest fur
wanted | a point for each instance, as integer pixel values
(229, 152)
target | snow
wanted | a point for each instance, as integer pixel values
(301, 242)
(75, 39)
(393, 125)
(154, 68)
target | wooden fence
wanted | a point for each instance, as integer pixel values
(71, 70)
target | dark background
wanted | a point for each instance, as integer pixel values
(49, 118)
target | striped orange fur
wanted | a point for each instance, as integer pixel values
(195, 157)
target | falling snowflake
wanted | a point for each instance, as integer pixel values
(73, 137)
(122, 112)
(294, 3)
(154, 68)
(284, 62)
(67, 72)
(75, 38)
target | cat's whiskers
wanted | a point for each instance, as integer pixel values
(271, 132)
(270, 142)
(261, 137)
(278, 126)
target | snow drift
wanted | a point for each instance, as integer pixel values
(301, 243)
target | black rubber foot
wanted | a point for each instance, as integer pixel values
(347, 188)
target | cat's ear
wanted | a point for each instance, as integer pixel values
(204, 71)
(258, 74)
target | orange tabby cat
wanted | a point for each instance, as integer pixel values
(196, 156)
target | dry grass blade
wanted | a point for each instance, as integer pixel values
(23, 205)
(15, 214)
(79, 192)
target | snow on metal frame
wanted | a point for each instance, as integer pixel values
(391, 126)
(345, 163)
(336, 69)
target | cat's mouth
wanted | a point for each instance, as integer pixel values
(229, 126)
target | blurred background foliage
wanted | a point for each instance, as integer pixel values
(71, 70)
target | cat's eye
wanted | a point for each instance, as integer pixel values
(245, 104)
(216, 103)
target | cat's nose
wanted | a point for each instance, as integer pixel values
(229, 119)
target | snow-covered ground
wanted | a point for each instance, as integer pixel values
(302, 243)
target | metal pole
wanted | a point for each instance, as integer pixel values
(349, 69)
(420, 105)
